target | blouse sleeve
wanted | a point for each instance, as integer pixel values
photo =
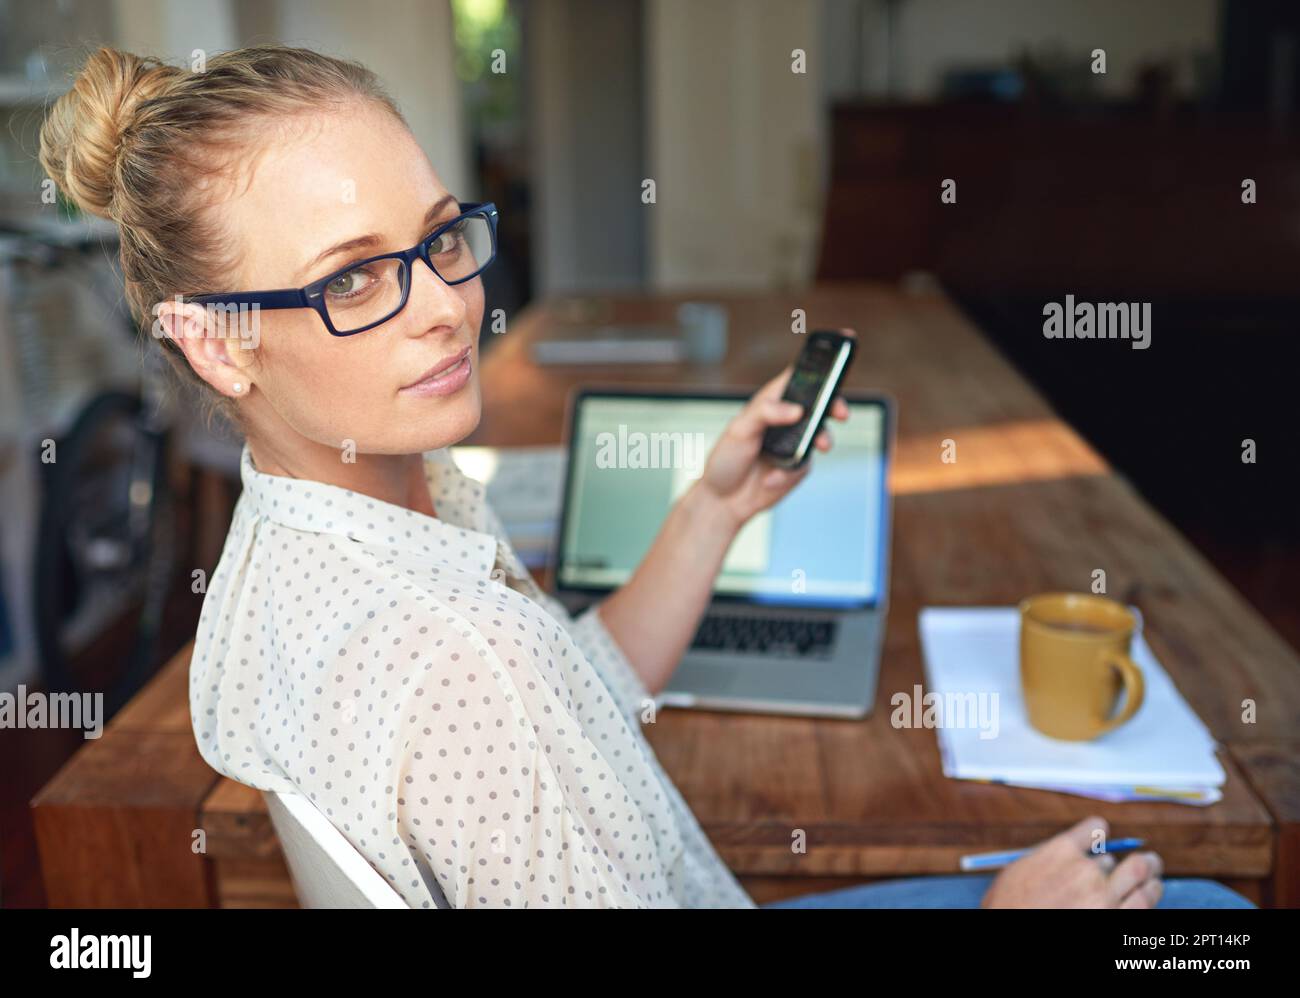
(607, 658)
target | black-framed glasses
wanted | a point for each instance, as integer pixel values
(368, 293)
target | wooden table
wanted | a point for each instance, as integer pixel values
(1027, 506)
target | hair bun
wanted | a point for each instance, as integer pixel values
(81, 139)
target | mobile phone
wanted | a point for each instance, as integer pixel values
(816, 378)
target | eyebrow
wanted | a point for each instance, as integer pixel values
(373, 240)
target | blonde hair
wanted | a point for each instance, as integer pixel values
(134, 141)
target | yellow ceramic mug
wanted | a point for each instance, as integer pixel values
(1074, 663)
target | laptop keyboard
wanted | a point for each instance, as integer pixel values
(766, 636)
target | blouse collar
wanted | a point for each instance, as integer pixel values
(459, 535)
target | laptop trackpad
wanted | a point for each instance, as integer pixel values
(705, 678)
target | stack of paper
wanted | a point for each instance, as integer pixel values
(1164, 752)
(525, 488)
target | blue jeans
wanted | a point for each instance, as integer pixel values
(966, 892)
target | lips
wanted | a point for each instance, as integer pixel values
(440, 368)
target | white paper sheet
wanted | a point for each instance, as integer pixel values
(976, 649)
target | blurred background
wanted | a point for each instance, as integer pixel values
(1115, 186)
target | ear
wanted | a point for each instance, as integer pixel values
(218, 357)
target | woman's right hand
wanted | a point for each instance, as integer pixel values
(1063, 872)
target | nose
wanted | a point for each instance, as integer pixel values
(433, 303)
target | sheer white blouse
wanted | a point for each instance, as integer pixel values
(468, 736)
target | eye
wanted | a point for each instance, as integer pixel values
(448, 241)
(351, 283)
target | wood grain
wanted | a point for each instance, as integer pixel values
(116, 826)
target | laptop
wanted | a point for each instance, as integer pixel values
(797, 618)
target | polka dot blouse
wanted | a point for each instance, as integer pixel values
(476, 744)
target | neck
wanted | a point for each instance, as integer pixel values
(392, 478)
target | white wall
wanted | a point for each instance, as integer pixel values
(586, 136)
(734, 142)
(173, 29)
(408, 43)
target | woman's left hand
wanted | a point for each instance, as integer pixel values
(736, 475)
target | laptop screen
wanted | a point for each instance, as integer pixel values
(631, 456)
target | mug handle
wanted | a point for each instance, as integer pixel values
(1134, 688)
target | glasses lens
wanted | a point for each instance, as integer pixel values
(460, 252)
(365, 295)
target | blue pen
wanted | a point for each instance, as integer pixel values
(997, 860)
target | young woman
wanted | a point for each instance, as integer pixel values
(369, 638)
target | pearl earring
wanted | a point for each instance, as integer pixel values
(237, 387)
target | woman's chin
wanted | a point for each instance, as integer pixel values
(452, 421)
